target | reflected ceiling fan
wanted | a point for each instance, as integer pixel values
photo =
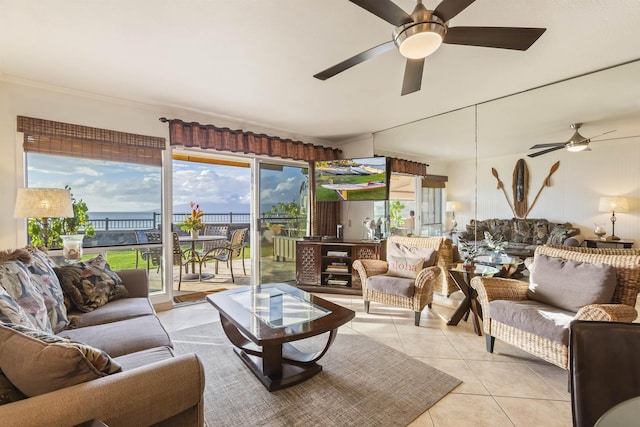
(576, 143)
(420, 34)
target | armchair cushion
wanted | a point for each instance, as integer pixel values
(534, 317)
(392, 285)
(402, 266)
(570, 285)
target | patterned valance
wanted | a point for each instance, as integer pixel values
(71, 140)
(408, 167)
(238, 141)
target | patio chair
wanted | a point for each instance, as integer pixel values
(227, 253)
(180, 257)
(210, 248)
(153, 256)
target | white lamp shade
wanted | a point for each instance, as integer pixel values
(611, 204)
(43, 203)
(453, 206)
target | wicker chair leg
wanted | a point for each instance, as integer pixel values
(429, 305)
(179, 277)
(490, 343)
(233, 280)
(366, 306)
(417, 317)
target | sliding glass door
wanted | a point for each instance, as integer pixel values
(282, 219)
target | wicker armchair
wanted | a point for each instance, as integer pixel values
(424, 283)
(621, 309)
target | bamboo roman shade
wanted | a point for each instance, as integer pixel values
(408, 167)
(237, 141)
(65, 139)
(434, 181)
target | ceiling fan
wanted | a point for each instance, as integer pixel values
(576, 143)
(420, 34)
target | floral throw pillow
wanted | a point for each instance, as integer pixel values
(44, 278)
(37, 362)
(11, 311)
(90, 284)
(16, 280)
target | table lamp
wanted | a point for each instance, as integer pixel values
(453, 207)
(43, 204)
(613, 204)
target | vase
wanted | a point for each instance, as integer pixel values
(599, 230)
(72, 247)
(495, 257)
(194, 234)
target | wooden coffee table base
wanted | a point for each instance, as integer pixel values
(277, 365)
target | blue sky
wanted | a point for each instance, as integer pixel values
(125, 187)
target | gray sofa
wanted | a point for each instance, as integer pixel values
(155, 386)
(523, 235)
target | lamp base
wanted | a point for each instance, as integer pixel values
(612, 238)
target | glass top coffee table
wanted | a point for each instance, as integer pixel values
(262, 322)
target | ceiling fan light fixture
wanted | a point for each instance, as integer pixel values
(420, 41)
(577, 146)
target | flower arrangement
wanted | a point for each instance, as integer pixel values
(193, 221)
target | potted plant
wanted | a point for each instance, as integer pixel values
(468, 252)
(61, 228)
(193, 222)
(496, 244)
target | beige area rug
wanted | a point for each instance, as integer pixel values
(195, 296)
(363, 383)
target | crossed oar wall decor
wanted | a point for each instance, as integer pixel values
(520, 186)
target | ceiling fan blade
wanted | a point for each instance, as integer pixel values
(386, 10)
(447, 9)
(548, 150)
(551, 144)
(355, 60)
(498, 37)
(605, 133)
(412, 76)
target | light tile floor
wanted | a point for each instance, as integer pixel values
(506, 388)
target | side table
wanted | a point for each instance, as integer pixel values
(463, 277)
(594, 242)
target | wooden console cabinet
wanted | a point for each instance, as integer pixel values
(327, 266)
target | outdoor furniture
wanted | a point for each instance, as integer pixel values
(408, 277)
(181, 257)
(514, 312)
(153, 256)
(233, 249)
(209, 247)
(603, 369)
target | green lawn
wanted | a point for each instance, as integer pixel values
(126, 259)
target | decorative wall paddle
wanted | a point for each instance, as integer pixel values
(520, 186)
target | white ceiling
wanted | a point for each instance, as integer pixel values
(253, 61)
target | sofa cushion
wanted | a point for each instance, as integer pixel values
(534, 317)
(37, 362)
(429, 255)
(115, 311)
(90, 284)
(16, 280)
(44, 278)
(144, 357)
(391, 285)
(12, 312)
(123, 337)
(8, 392)
(570, 285)
(402, 266)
